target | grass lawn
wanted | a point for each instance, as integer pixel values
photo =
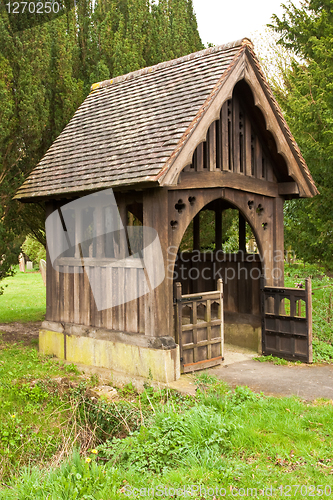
(23, 298)
(59, 444)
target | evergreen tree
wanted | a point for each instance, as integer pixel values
(46, 72)
(38, 96)
(307, 101)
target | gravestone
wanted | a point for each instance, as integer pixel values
(29, 265)
(42, 268)
(21, 263)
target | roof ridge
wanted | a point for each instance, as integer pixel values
(172, 62)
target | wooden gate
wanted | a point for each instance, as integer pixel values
(199, 328)
(287, 322)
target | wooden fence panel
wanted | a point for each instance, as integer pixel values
(287, 322)
(73, 294)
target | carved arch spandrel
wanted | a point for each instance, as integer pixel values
(240, 200)
(200, 132)
(273, 126)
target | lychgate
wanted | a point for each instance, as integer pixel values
(179, 146)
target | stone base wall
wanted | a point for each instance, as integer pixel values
(243, 335)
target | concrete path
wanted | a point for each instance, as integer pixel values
(308, 382)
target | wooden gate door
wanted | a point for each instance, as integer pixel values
(287, 322)
(199, 328)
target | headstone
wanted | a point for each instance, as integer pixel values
(42, 268)
(21, 263)
(29, 265)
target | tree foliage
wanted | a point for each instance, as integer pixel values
(46, 72)
(307, 101)
(33, 249)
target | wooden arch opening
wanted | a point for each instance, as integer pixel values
(220, 243)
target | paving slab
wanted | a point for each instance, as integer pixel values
(308, 382)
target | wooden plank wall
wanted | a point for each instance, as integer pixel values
(240, 279)
(73, 300)
(70, 296)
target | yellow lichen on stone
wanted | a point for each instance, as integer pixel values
(51, 343)
(161, 365)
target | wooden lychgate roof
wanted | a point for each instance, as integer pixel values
(130, 130)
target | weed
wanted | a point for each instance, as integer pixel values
(172, 438)
(71, 368)
(94, 379)
(128, 389)
(322, 351)
(209, 384)
(274, 359)
(25, 392)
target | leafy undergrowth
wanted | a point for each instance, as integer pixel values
(151, 444)
(24, 298)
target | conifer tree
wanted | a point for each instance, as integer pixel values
(46, 72)
(308, 105)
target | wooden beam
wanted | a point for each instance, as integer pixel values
(200, 157)
(224, 149)
(50, 272)
(242, 233)
(129, 263)
(235, 136)
(287, 188)
(212, 147)
(194, 180)
(158, 302)
(196, 232)
(247, 145)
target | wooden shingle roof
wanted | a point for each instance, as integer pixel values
(129, 129)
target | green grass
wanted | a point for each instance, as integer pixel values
(23, 299)
(34, 410)
(50, 426)
(274, 359)
(218, 439)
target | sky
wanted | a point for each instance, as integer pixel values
(222, 21)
